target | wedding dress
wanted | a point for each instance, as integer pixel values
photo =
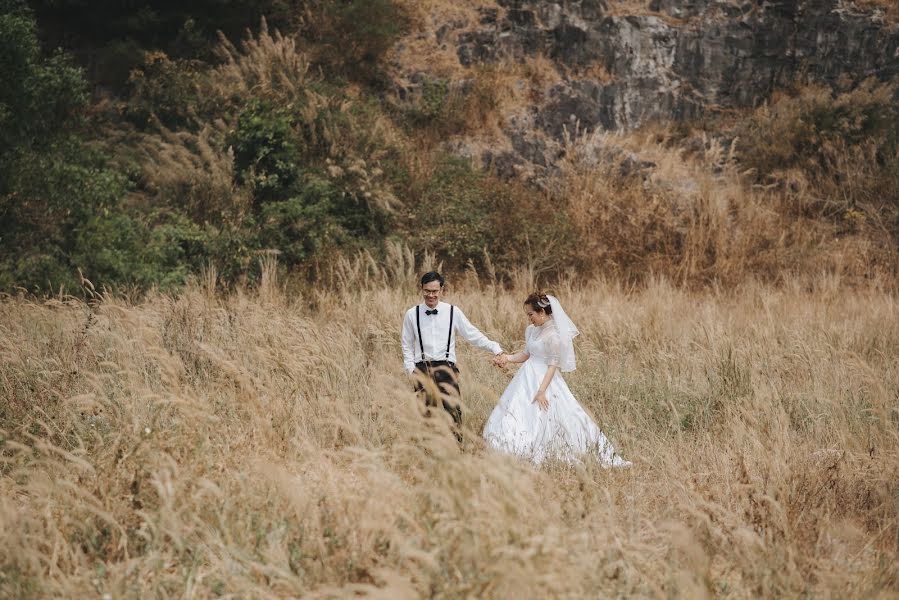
(563, 432)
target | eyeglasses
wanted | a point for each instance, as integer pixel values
(431, 292)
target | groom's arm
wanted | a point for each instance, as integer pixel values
(473, 335)
(407, 340)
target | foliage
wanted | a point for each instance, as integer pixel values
(319, 217)
(39, 95)
(131, 249)
(835, 154)
(51, 198)
(807, 129)
(61, 200)
(163, 88)
(112, 37)
(446, 107)
(468, 217)
(354, 35)
(265, 150)
(530, 229)
(451, 215)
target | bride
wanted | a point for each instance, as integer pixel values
(537, 416)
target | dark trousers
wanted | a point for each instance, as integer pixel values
(445, 376)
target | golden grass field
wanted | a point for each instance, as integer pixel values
(265, 443)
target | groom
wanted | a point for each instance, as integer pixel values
(429, 345)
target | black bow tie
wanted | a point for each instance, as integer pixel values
(431, 312)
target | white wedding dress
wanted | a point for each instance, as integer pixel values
(563, 432)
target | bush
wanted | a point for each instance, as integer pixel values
(39, 96)
(837, 155)
(51, 197)
(451, 216)
(530, 229)
(355, 35)
(113, 37)
(176, 247)
(814, 130)
(165, 89)
(448, 108)
(265, 150)
(143, 250)
(320, 217)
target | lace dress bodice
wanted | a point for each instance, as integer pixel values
(543, 343)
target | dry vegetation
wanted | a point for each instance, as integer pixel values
(890, 8)
(263, 441)
(266, 444)
(696, 217)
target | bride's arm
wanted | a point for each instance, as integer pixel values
(518, 357)
(553, 347)
(540, 398)
(521, 356)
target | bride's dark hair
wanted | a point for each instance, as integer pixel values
(539, 302)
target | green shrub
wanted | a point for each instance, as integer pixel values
(265, 150)
(129, 248)
(176, 248)
(320, 217)
(39, 96)
(451, 216)
(35, 270)
(165, 89)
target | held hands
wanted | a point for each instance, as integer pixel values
(542, 401)
(500, 360)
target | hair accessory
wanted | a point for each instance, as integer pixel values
(542, 301)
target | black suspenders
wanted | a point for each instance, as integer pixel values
(421, 344)
(449, 338)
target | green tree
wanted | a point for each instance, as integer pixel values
(39, 95)
(55, 190)
(110, 37)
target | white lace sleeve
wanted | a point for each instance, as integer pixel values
(553, 349)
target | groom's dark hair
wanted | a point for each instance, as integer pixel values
(432, 276)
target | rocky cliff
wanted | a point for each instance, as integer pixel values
(621, 64)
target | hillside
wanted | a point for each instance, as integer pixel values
(214, 214)
(708, 141)
(563, 68)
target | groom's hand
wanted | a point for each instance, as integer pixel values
(500, 360)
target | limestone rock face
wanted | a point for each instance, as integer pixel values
(672, 59)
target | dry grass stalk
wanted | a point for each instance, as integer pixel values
(696, 217)
(264, 445)
(890, 8)
(268, 66)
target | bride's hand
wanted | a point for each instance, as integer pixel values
(542, 401)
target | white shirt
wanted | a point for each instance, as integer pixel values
(434, 332)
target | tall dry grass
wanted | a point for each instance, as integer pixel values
(697, 218)
(266, 444)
